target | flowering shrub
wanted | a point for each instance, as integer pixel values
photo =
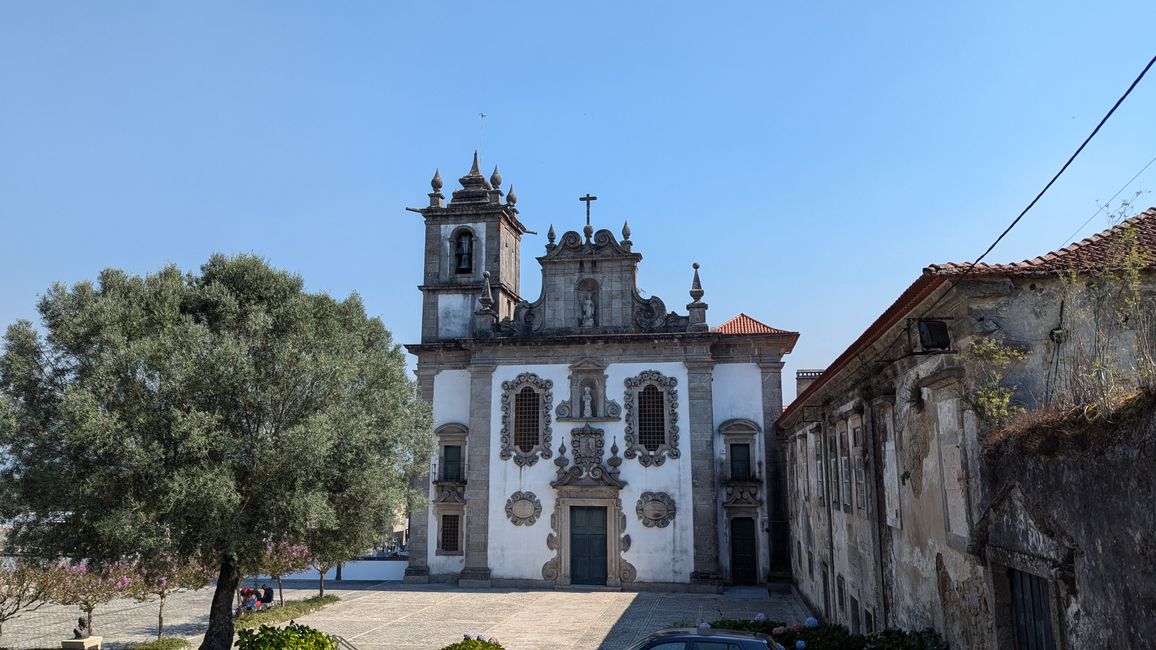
(78, 583)
(165, 576)
(281, 559)
(24, 587)
(816, 635)
(474, 644)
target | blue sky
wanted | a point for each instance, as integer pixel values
(813, 157)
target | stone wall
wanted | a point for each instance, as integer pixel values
(1077, 507)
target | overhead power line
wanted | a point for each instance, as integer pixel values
(958, 278)
(1108, 203)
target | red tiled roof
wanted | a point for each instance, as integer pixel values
(1100, 251)
(743, 324)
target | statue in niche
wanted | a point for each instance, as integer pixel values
(587, 412)
(588, 311)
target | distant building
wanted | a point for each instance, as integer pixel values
(591, 436)
(906, 512)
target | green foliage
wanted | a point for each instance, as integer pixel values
(204, 416)
(292, 637)
(827, 636)
(987, 363)
(164, 643)
(473, 644)
(289, 611)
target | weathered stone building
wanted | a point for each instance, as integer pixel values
(590, 436)
(905, 512)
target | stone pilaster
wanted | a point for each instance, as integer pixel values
(780, 534)
(418, 570)
(700, 399)
(476, 572)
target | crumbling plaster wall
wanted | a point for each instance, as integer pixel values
(936, 582)
(1097, 503)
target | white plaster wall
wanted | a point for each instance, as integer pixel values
(737, 392)
(451, 404)
(455, 315)
(658, 554)
(518, 552)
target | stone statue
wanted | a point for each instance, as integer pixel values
(586, 411)
(588, 312)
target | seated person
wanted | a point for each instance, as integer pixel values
(251, 601)
(81, 630)
(266, 594)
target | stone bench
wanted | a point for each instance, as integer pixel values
(90, 643)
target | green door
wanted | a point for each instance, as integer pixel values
(587, 545)
(744, 551)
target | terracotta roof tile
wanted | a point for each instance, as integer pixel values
(743, 324)
(1100, 251)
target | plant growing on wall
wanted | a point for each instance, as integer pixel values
(987, 362)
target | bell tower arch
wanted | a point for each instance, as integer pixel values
(474, 238)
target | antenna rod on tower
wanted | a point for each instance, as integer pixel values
(481, 131)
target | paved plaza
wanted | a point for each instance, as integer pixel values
(410, 617)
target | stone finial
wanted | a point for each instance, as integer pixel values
(496, 178)
(512, 197)
(588, 230)
(436, 198)
(561, 461)
(436, 182)
(614, 461)
(696, 310)
(625, 231)
(485, 318)
(696, 292)
(550, 234)
(474, 171)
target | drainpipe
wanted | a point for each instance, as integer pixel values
(883, 613)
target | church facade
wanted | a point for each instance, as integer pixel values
(591, 436)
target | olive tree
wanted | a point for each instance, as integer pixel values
(203, 416)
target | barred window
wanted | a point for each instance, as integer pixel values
(451, 533)
(527, 419)
(651, 418)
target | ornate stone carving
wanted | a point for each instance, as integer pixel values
(523, 508)
(739, 494)
(588, 399)
(543, 387)
(587, 444)
(450, 493)
(669, 447)
(655, 509)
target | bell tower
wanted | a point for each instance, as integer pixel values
(472, 251)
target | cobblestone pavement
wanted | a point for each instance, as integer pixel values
(411, 617)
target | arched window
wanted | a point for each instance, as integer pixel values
(526, 403)
(651, 432)
(527, 419)
(464, 252)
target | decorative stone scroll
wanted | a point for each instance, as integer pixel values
(655, 509)
(544, 389)
(523, 508)
(669, 447)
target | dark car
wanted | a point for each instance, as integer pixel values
(711, 639)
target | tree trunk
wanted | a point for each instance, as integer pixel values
(280, 590)
(161, 618)
(88, 618)
(219, 636)
(321, 581)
